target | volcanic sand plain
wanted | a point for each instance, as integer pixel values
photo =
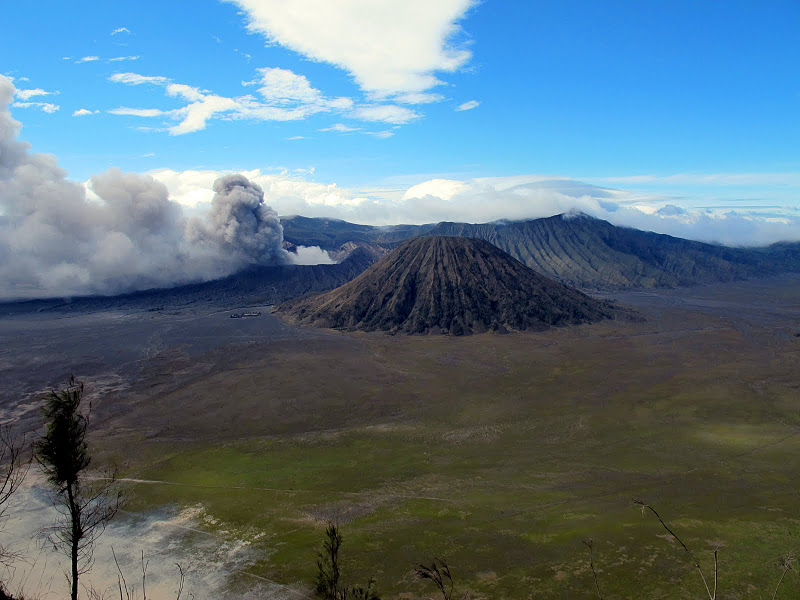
(501, 453)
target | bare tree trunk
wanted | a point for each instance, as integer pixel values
(75, 539)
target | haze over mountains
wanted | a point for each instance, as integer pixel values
(577, 249)
(455, 285)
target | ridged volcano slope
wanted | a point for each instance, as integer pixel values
(591, 253)
(447, 285)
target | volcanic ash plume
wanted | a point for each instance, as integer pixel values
(240, 224)
(55, 241)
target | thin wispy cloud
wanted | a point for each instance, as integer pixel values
(86, 59)
(27, 94)
(82, 112)
(283, 95)
(136, 79)
(47, 107)
(380, 134)
(386, 113)
(341, 128)
(468, 105)
(123, 58)
(138, 112)
(120, 30)
(418, 98)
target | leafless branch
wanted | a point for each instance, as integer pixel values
(180, 583)
(144, 577)
(13, 466)
(590, 544)
(121, 583)
(711, 595)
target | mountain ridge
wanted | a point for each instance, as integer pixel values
(446, 284)
(591, 253)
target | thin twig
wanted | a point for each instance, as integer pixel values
(180, 585)
(144, 577)
(590, 544)
(120, 577)
(689, 552)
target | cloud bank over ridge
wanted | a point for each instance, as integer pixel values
(480, 200)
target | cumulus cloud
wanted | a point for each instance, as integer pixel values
(119, 30)
(126, 233)
(82, 112)
(468, 105)
(409, 41)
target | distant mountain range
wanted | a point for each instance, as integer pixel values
(582, 251)
(453, 285)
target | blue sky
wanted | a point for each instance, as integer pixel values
(694, 104)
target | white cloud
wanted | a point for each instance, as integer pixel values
(122, 58)
(285, 86)
(26, 94)
(197, 114)
(341, 128)
(310, 255)
(136, 79)
(119, 30)
(418, 98)
(380, 134)
(81, 112)
(490, 198)
(86, 59)
(386, 113)
(468, 105)
(408, 42)
(296, 137)
(47, 107)
(138, 112)
(285, 96)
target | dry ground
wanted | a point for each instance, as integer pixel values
(499, 452)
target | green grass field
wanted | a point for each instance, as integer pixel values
(500, 453)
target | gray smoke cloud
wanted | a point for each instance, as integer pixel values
(239, 223)
(57, 241)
